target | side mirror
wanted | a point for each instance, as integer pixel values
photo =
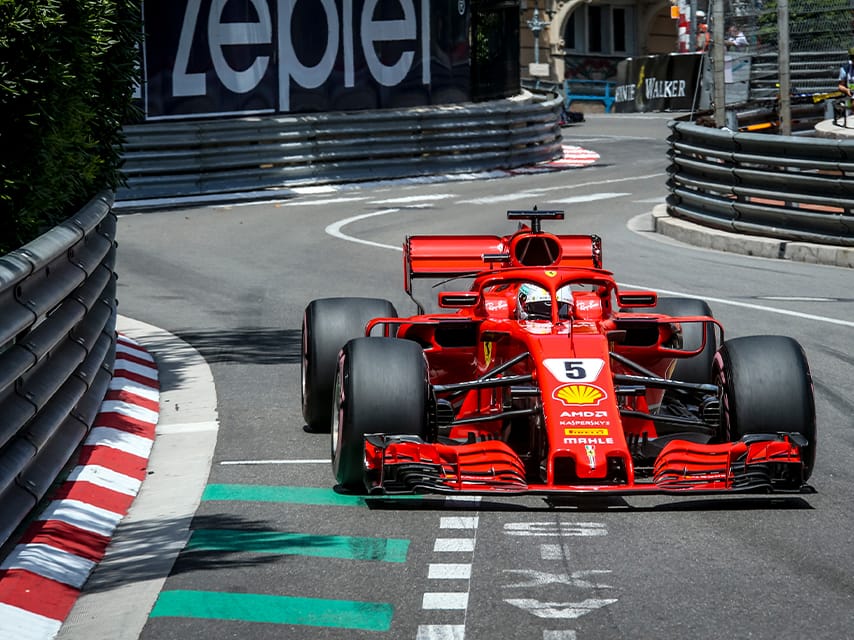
(458, 299)
(629, 299)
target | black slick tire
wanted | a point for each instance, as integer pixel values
(767, 388)
(327, 324)
(381, 387)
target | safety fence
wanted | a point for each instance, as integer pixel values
(196, 158)
(786, 187)
(57, 349)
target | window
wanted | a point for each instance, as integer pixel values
(618, 17)
(604, 29)
(594, 29)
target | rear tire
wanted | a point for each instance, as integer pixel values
(327, 325)
(767, 388)
(381, 386)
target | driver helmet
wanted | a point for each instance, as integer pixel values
(535, 303)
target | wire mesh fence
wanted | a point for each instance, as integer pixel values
(814, 25)
(820, 32)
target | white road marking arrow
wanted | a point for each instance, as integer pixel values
(540, 578)
(569, 610)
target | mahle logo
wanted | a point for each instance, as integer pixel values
(579, 394)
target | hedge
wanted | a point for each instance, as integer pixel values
(67, 72)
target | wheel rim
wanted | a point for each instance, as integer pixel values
(303, 364)
(336, 426)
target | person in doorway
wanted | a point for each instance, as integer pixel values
(703, 35)
(735, 38)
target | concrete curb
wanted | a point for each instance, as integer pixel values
(708, 238)
(157, 526)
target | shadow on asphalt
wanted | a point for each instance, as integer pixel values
(246, 345)
(614, 504)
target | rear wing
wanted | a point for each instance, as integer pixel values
(446, 256)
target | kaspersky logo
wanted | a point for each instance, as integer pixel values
(579, 394)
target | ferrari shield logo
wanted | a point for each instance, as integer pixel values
(487, 352)
(575, 394)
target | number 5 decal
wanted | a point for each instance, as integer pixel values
(576, 369)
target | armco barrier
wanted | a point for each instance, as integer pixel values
(57, 348)
(786, 187)
(203, 157)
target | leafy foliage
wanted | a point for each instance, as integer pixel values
(67, 69)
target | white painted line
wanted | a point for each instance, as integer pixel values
(439, 571)
(120, 440)
(464, 500)
(25, 625)
(593, 197)
(313, 203)
(82, 515)
(747, 305)
(334, 229)
(254, 462)
(454, 545)
(507, 197)
(559, 635)
(445, 601)
(307, 191)
(796, 299)
(106, 478)
(186, 427)
(410, 199)
(456, 522)
(544, 529)
(441, 632)
(554, 552)
(49, 562)
(565, 610)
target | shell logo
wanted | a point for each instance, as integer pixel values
(573, 394)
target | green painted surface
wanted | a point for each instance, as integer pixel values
(275, 542)
(296, 495)
(345, 614)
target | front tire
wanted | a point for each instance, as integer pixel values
(767, 388)
(381, 386)
(327, 325)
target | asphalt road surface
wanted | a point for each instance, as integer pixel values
(275, 553)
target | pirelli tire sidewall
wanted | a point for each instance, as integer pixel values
(382, 387)
(766, 387)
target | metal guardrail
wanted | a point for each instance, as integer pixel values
(57, 349)
(194, 158)
(791, 188)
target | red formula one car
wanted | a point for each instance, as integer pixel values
(543, 377)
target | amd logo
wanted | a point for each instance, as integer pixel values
(346, 34)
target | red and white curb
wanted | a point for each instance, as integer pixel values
(573, 158)
(41, 578)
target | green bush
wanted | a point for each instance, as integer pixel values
(67, 69)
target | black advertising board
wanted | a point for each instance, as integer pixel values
(206, 58)
(657, 83)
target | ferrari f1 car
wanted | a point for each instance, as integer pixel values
(544, 377)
